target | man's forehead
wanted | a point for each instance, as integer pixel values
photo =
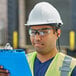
(40, 26)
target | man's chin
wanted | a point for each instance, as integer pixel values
(39, 49)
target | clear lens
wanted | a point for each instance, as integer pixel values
(31, 32)
(43, 32)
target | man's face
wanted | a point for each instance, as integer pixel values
(43, 38)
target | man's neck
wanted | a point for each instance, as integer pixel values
(45, 57)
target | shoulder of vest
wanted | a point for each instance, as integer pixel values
(73, 60)
(31, 56)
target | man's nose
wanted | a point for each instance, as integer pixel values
(37, 36)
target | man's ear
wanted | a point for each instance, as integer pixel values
(58, 32)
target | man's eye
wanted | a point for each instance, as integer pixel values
(32, 32)
(44, 32)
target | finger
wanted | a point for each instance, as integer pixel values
(3, 74)
(1, 67)
(4, 71)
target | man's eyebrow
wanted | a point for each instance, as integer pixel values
(45, 28)
(41, 29)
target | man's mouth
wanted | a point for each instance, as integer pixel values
(38, 44)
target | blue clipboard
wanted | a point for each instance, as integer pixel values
(15, 62)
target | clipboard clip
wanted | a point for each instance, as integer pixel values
(8, 46)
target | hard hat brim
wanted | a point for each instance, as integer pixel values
(51, 24)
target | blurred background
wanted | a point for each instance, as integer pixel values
(14, 14)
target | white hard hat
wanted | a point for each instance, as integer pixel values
(43, 13)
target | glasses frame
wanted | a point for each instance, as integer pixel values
(41, 32)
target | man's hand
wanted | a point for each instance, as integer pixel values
(4, 72)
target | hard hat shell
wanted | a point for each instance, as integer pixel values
(44, 13)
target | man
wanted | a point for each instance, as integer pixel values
(44, 29)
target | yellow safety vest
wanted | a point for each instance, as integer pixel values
(62, 65)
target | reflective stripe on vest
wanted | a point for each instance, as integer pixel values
(65, 69)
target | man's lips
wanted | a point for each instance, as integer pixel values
(38, 44)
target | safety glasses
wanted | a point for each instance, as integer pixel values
(41, 32)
